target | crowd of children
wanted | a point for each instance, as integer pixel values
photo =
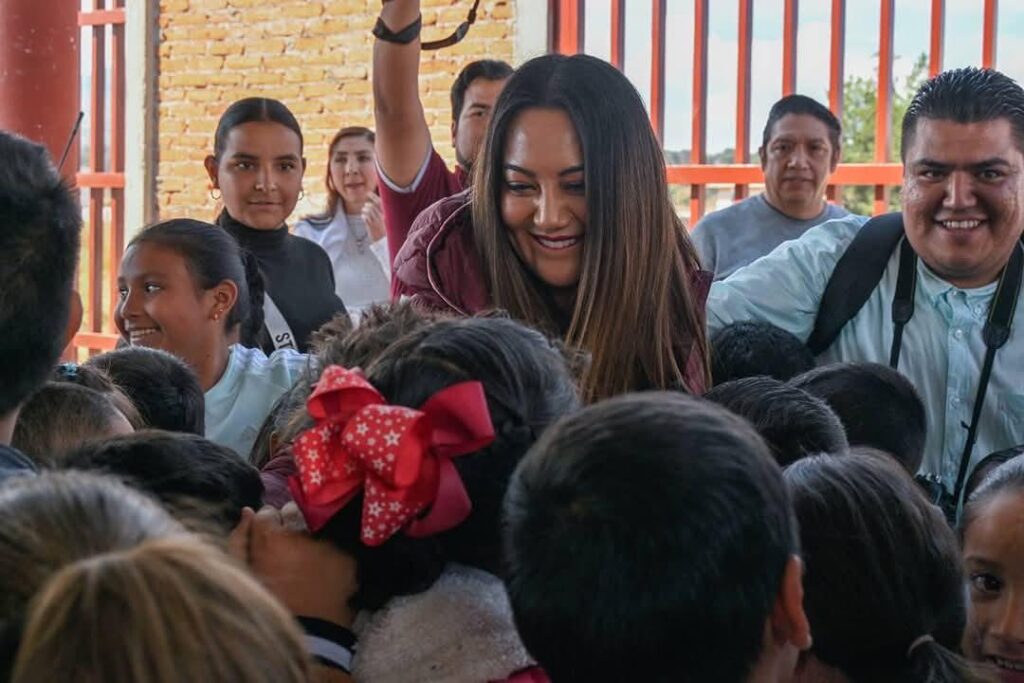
(533, 464)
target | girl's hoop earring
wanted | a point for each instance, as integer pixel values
(302, 193)
(216, 197)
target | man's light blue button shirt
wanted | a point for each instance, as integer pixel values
(942, 350)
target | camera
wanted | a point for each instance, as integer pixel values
(937, 494)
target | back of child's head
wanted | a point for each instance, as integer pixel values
(986, 466)
(883, 587)
(750, 349)
(40, 222)
(164, 388)
(336, 342)
(793, 422)
(379, 326)
(212, 256)
(525, 385)
(1007, 477)
(98, 380)
(877, 405)
(54, 519)
(172, 609)
(192, 475)
(60, 417)
(647, 537)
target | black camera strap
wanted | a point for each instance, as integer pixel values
(455, 37)
(995, 333)
(411, 32)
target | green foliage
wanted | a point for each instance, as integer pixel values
(860, 101)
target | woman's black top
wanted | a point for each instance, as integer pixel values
(297, 275)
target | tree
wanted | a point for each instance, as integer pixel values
(860, 101)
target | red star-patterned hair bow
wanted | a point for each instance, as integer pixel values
(400, 458)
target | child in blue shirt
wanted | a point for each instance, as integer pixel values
(186, 287)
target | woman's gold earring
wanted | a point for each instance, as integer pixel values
(302, 193)
(215, 197)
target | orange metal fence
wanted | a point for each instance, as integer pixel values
(568, 36)
(102, 180)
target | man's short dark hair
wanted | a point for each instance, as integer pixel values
(749, 349)
(40, 222)
(646, 540)
(877, 405)
(801, 104)
(488, 69)
(163, 387)
(182, 470)
(967, 95)
(793, 422)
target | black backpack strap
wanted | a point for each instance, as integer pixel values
(854, 278)
(903, 300)
(995, 333)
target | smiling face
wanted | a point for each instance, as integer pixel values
(543, 199)
(994, 565)
(161, 306)
(353, 175)
(962, 193)
(259, 173)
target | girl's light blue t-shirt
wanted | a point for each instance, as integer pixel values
(240, 401)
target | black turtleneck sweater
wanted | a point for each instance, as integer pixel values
(297, 275)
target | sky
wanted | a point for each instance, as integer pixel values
(962, 43)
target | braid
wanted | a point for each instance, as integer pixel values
(252, 319)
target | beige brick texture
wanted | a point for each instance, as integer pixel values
(314, 55)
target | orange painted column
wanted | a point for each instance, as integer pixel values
(39, 72)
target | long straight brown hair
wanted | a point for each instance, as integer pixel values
(635, 312)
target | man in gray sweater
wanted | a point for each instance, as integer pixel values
(800, 149)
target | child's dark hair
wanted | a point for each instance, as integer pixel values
(883, 588)
(877, 405)
(40, 222)
(379, 326)
(337, 342)
(98, 380)
(61, 416)
(749, 349)
(986, 466)
(527, 387)
(212, 256)
(250, 110)
(163, 387)
(646, 540)
(1008, 477)
(793, 422)
(182, 470)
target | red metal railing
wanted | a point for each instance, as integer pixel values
(103, 179)
(567, 36)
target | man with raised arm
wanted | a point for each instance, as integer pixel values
(413, 175)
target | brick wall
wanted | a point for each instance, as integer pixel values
(314, 55)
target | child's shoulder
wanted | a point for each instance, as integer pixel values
(281, 366)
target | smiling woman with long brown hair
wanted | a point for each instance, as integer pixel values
(569, 227)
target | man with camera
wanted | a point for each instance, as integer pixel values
(931, 290)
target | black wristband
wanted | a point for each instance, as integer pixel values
(403, 37)
(329, 644)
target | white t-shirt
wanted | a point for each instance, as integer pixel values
(362, 272)
(240, 401)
